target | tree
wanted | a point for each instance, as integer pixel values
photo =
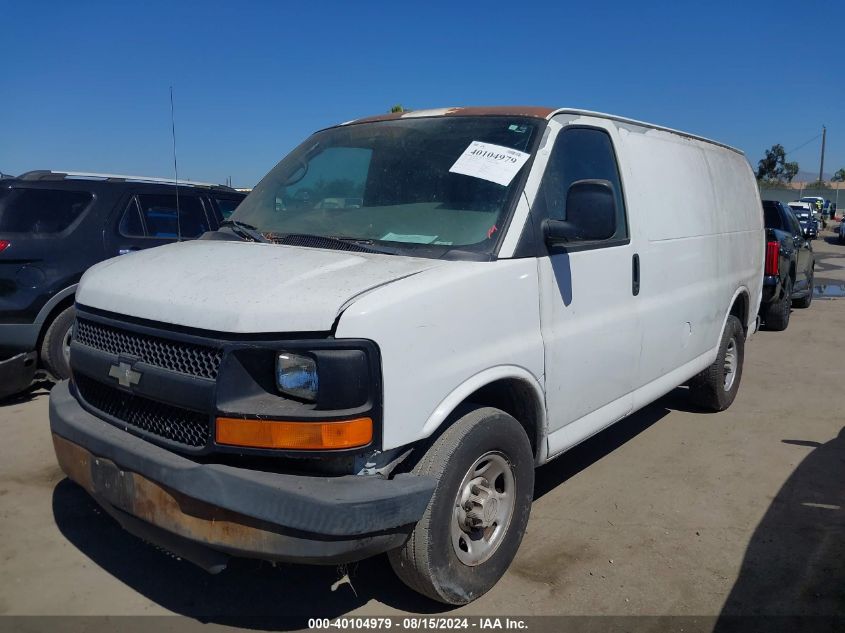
(790, 170)
(774, 168)
(397, 108)
(839, 176)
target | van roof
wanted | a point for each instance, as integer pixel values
(537, 112)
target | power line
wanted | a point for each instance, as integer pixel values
(804, 144)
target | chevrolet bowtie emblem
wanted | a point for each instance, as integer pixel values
(126, 376)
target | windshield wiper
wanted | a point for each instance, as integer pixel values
(244, 230)
(327, 241)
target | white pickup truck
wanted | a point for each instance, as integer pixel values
(403, 319)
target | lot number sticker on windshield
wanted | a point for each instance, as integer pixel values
(490, 162)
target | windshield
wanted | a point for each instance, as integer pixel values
(420, 186)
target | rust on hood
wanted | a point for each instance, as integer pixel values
(538, 112)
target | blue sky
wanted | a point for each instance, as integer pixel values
(85, 84)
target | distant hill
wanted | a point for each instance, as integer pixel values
(811, 176)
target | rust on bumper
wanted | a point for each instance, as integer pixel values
(155, 504)
(198, 531)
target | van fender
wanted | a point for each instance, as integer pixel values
(748, 326)
(481, 379)
(55, 300)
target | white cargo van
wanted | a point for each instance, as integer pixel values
(405, 317)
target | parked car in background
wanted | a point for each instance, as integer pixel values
(842, 231)
(816, 201)
(537, 294)
(827, 209)
(54, 225)
(814, 204)
(804, 214)
(788, 273)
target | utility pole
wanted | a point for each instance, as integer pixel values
(821, 163)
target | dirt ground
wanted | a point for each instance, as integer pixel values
(671, 512)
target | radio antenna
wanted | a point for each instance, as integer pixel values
(175, 169)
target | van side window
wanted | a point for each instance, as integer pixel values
(580, 154)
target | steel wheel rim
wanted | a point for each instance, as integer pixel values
(483, 508)
(731, 363)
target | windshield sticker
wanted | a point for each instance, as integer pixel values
(410, 239)
(490, 162)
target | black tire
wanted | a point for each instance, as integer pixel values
(804, 302)
(710, 389)
(428, 562)
(53, 347)
(776, 317)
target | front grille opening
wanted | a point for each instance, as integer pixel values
(183, 426)
(184, 358)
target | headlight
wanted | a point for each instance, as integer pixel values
(296, 376)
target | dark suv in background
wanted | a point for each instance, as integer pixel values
(789, 264)
(54, 225)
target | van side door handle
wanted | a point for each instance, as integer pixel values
(635, 275)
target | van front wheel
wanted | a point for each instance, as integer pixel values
(475, 520)
(715, 388)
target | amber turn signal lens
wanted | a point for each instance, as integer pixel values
(309, 436)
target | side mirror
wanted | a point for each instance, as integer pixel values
(590, 214)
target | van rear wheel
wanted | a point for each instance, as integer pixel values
(715, 388)
(476, 518)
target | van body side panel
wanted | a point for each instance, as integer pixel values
(591, 331)
(742, 243)
(438, 329)
(680, 300)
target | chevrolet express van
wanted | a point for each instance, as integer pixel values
(404, 318)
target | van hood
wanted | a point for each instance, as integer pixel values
(240, 287)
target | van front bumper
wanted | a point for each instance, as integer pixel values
(206, 513)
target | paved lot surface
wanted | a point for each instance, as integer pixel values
(672, 511)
